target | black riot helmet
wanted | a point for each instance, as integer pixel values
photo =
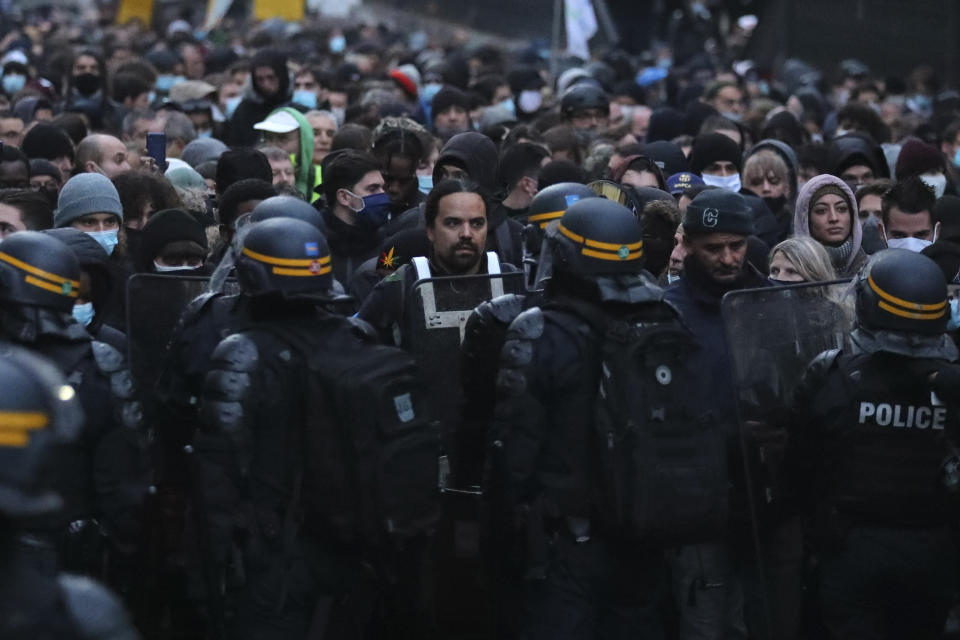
(285, 256)
(37, 269)
(596, 237)
(287, 207)
(38, 410)
(583, 96)
(550, 203)
(900, 290)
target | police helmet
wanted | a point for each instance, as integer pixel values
(900, 290)
(550, 203)
(596, 237)
(583, 96)
(286, 207)
(39, 270)
(285, 256)
(37, 411)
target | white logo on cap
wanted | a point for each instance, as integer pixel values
(710, 217)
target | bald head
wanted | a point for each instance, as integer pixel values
(101, 153)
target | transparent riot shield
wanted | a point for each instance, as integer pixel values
(154, 305)
(773, 334)
(435, 318)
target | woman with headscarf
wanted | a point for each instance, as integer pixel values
(826, 211)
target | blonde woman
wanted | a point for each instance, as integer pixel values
(800, 259)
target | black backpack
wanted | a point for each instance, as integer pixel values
(661, 457)
(371, 448)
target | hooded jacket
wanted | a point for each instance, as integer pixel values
(801, 221)
(307, 174)
(255, 107)
(476, 154)
(856, 148)
(784, 212)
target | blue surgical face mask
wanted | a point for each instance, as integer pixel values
(206, 133)
(508, 105)
(152, 97)
(13, 83)
(305, 98)
(954, 322)
(956, 158)
(375, 210)
(106, 239)
(338, 44)
(165, 81)
(231, 105)
(730, 183)
(83, 313)
(425, 184)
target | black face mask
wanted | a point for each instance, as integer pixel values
(775, 204)
(87, 83)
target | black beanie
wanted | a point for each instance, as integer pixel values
(166, 227)
(718, 211)
(48, 142)
(712, 147)
(666, 123)
(447, 97)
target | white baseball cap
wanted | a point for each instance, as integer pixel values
(278, 122)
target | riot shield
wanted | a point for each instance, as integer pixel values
(435, 318)
(773, 334)
(154, 305)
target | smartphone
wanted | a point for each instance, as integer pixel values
(157, 149)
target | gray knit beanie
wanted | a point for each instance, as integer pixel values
(86, 193)
(202, 150)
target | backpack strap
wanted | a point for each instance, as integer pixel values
(422, 265)
(493, 268)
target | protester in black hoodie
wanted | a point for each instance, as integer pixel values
(269, 89)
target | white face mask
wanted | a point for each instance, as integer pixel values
(163, 268)
(910, 244)
(937, 182)
(730, 183)
(530, 101)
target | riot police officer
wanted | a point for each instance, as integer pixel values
(298, 412)
(874, 457)
(103, 478)
(39, 412)
(585, 565)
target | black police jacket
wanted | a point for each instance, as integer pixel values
(870, 441)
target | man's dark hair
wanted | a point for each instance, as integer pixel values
(139, 188)
(127, 85)
(713, 124)
(352, 136)
(812, 155)
(74, 124)
(432, 207)
(714, 90)
(857, 116)
(909, 196)
(557, 171)
(398, 142)
(238, 164)
(522, 132)
(35, 209)
(564, 138)
(130, 120)
(520, 160)
(344, 169)
(242, 191)
(874, 188)
(13, 154)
